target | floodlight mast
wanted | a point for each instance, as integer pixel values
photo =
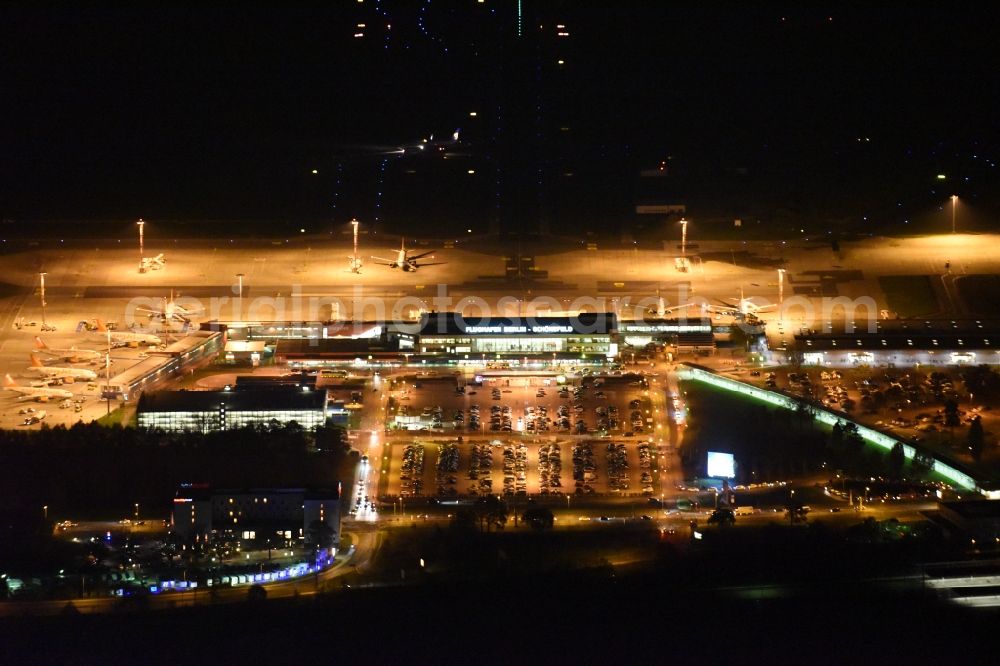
(41, 293)
(142, 249)
(107, 373)
(356, 259)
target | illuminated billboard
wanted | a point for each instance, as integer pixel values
(721, 465)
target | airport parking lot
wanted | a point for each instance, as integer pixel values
(521, 435)
(536, 405)
(445, 467)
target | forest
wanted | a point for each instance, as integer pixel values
(90, 471)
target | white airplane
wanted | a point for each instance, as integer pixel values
(68, 375)
(73, 355)
(128, 337)
(406, 262)
(661, 309)
(171, 311)
(429, 144)
(34, 393)
(744, 307)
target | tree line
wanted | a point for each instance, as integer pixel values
(89, 471)
(771, 444)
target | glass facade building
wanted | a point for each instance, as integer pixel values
(225, 410)
(450, 333)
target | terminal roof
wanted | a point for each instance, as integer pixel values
(451, 323)
(293, 399)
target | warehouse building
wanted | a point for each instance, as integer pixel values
(905, 343)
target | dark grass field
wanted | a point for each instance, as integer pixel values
(980, 293)
(909, 295)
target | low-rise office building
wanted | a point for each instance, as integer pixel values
(226, 410)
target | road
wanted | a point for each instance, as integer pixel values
(367, 541)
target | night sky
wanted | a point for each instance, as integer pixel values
(790, 112)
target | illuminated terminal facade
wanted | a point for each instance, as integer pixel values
(685, 334)
(205, 411)
(448, 337)
(450, 333)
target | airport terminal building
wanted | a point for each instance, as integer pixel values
(193, 350)
(450, 338)
(585, 334)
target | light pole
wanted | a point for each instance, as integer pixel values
(356, 259)
(45, 511)
(781, 285)
(107, 373)
(142, 249)
(954, 203)
(41, 293)
(239, 286)
(684, 236)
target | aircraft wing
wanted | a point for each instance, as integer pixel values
(383, 262)
(421, 255)
(675, 308)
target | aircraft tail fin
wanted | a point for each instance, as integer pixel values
(8, 380)
(35, 362)
(40, 344)
(101, 328)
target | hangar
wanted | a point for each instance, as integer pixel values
(906, 343)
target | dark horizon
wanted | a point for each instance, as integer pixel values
(797, 114)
